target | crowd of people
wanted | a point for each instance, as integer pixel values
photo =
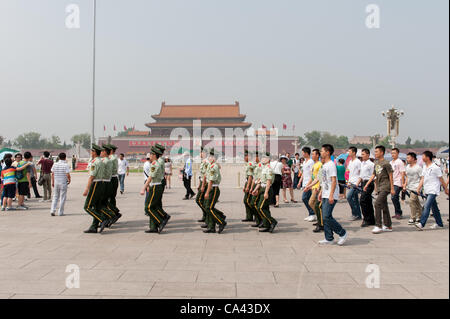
(357, 180)
(322, 179)
(19, 175)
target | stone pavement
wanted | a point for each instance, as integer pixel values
(182, 262)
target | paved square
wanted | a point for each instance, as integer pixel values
(182, 262)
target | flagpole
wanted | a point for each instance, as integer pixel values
(93, 72)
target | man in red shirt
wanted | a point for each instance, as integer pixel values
(46, 171)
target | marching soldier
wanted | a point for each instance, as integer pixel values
(200, 199)
(94, 191)
(162, 163)
(107, 209)
(212, 194)
(153, 201)
(249, 168)
(114, 181)
(255, 194)
(265, 194)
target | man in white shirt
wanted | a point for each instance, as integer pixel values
(124, 169)
(431, 182)
(367, 168)
(354, 168)
(329, 195)
(60, 181)
(399, 178)
(304, 180)
(147, 168)
(412, 181)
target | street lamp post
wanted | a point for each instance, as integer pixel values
(93, 71)
(393, 123)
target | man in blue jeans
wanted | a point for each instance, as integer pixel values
(431, 183)
(354, 168)
(304, 180)
(329, 195)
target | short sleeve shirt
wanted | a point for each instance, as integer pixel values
(108, 169)
(156, 172)
(398, 168)
(307, 171)
(431, 182)
(24, 172)
(414, 174)
(203, 168)
(97, 169)
(249, 169)
(115, 165)
(257, 171)
(382, 170)
(213, 174)
(267, 174)
(328, 171)
(316, 168)
(354, 168)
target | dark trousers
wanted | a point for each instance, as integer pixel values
(277, 183)
(264, 209)
(306, 196)
(215, 216)
(431, 204)
(248, 209)
(382, 215)
(187, 184)
(367, 204)
(113, 194)
(93, 205)
(200, 200)
(152, 206)
(330, 224)
(35, 189)
(107, 208)
(396, 200)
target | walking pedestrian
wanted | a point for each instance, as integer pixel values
(304, 180)
(412, 181)
(187, 176)
(354, 168)
(367, 169)
(432, 180)
(385, 185)
(124, 170)
(46, 170)
(60, 181)
(398, 167)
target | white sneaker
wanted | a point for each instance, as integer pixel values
(387, 229)
(436, 226)
(377, 230)
(312, 218)
(326, 242)
(307, 218)
(343, 239)
(22, 208)
(419, 226)
(411, 222)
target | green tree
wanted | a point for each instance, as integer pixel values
(313, 138)
(30, 140)
(408, 141)
(84, 139)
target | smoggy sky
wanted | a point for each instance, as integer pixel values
(313, 63)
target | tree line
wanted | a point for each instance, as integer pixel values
(33, 140)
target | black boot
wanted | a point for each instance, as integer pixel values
(272, 227)
(151, 231)
(210, 231)
(103, 225)
(222, 227)
(204, 226)
(318, 229)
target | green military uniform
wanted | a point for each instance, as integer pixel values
(249, 173)
(93, 203)
(267, 175)
(215, 216)
(162, 163)
(114, 180)
(153, 203)
(107, 174)
(254, 199)
(200, 199)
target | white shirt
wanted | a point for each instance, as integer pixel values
(147, 167)
(60, 170)
(414, 174)
(367, 169)
(123, 164)
(307, 171)
(276, 166)
(431, 183)
(354, 168)
(329, 170)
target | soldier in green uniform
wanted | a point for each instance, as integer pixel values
(249, 170)
(200, 199)
(212, 194)
(94, 191)
(265, 191)
(114, 182)
(254, 199)
(162, 162)
(154, 187)
(106, 206)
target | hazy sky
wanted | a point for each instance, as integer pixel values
(311, 62)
